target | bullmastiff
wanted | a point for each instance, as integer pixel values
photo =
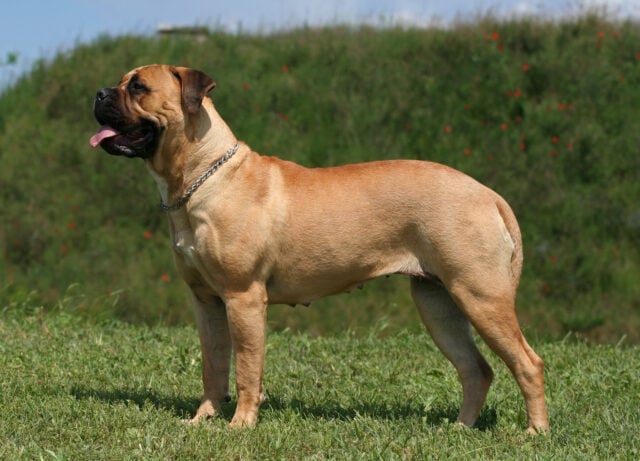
(250, 230)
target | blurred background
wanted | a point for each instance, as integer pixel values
(538, 100)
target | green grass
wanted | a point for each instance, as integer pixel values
(78, 389)
(546, 113)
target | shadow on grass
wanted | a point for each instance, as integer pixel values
(435, 416)
(185, 408)
(179, 406)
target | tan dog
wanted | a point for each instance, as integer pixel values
(250, 230)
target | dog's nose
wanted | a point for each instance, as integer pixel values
(102, 94)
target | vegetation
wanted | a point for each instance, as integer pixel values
(547, 114)
(77, 389)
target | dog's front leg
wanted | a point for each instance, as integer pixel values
(215, 342)
(247, 314)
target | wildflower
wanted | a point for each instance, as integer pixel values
(467, 107)
(500, 47)
(523, 147)
(553, 259)
(637, 55)
(71, 225)
(447, 129)
(569, 146)
(285, 69)
(504, 127)
(554, 139)
(467, 151)
(64, 249)
(517, 93)
(600, 35)
(165, 277)
(147, 234)
(561, 106)
(246, 86)
(553, 153)
(495, 36)
(525, 67)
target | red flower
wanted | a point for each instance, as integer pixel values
(165, 277)
(525, 67)
(504, 127)
(467, 151)
(147, 234)
(285, 69)
(600, 35)
(71, 225)
(495, 36)
(554, 139)
(447, 129)
(246, 86)
(517, 93)
(560, 106)
(569, 146)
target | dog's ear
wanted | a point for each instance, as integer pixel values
(195, 86)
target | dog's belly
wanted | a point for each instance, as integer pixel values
(303, 285)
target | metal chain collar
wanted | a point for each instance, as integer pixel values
(206, 175)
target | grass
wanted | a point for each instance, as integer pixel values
(546, 113)
(79, 389)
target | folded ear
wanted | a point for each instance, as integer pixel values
(195, 86)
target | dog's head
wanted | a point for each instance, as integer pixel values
(146, 105)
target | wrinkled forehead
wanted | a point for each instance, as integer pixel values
(155, 73)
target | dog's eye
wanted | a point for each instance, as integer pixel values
(135, 86)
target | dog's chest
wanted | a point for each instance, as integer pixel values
(184, 247)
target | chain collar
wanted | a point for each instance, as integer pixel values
(189, 192)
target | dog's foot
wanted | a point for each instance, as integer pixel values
(240, 421)
(205, 411)
(538, 431)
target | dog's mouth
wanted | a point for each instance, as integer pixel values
(139, 141)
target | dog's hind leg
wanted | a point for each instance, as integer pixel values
(450, 331)
(494, 318)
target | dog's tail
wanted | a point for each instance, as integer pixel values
(511, 223)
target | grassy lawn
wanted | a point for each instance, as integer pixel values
(73, 389)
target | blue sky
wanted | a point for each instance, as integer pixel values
(33, 29)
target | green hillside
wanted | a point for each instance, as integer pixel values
(547, 114)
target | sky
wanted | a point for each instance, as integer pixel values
(35, 29)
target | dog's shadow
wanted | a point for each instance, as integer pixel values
(185, 408)
(435, 416)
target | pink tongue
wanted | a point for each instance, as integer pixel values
(103, 133)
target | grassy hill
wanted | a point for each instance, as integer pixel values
(547, 114)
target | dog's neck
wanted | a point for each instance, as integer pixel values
(180, 164)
